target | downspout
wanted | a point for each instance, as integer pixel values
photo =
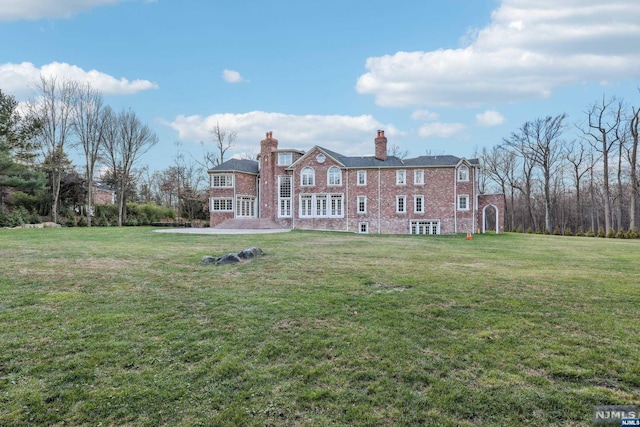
(346, 207)
(476, 200)
(455, 200)
(259, 198)
(235, 198)
(379, 204)
(293, 199)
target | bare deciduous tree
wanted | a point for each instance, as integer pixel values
(604, 118)
(539, 142)
(634, 126)
(394, 150)
(577, 157)
(53, 109)
(223, 141)
(126, 139)
(89, 122)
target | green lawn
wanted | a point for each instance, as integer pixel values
(123, 326)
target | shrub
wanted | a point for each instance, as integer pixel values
(621, 234)
(14, 217)
(590, 233)
(611, 234)
(519, 229)
(82, 222)
(600, 232)
(579, 232)
(108, 212)
(567, 231)
(530, 230)
(556, 231)
(632, 233)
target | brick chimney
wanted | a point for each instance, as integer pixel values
(381, 146)
(268, 144)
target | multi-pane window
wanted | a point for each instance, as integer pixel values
(284, 159)
(362, 204)
(336, 205)
(308, 177)
(463, 203)
(363, 227)
(222, 180)
(284, 196)
(418, 202)
(306, 201)
(321, 206)
(418, 177)
(221, 205)
(362, 177)
(401, 204)
(463, 173)
(246, 207)
(401, 177)
(425, 227)
(334, 176)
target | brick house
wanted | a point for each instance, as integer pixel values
(324, 190)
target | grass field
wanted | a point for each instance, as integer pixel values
(123, 326)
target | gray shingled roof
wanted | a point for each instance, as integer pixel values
(237, 165)
(391, 161)
(251, 166)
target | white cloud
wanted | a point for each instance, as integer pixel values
(18, 78)
(13, 10)
(231, 76)
(349, 135)
(441, 130)
(489, 118)
(530, 48)
(425, 115)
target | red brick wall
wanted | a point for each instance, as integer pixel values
(244, 185)
(440, 190)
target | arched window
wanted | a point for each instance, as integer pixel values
(308, 177)
(334, 176)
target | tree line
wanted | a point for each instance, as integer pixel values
(551, 184)
(585, 185)
(38, 179)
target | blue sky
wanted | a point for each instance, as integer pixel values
(439, 77)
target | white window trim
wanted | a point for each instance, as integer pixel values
(284, 201)
(466, 197)
(314, 199)
(404, 204)
(426, 225)
(334, 168)
(227, 208)
(464, 168)
(416, 173)
(228, 183)
(402, 173)
(358, 205)
(366, 225)
(288, 162)
(415, 204)
(312, 176)
(364, 173)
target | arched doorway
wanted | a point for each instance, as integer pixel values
(490, 219)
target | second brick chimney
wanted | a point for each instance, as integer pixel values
(381, 146)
